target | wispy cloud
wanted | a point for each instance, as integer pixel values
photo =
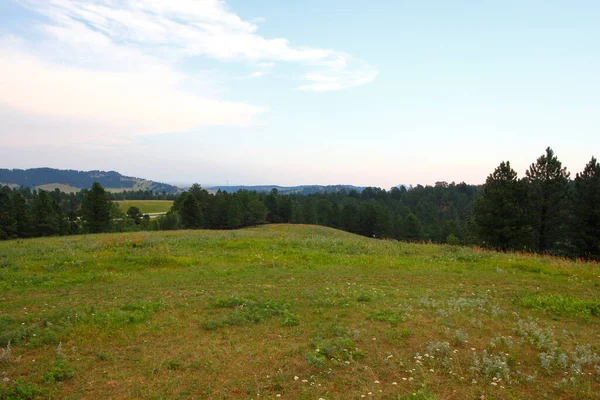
(183, 28)
(115, 64)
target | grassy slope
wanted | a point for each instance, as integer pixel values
(147, 206)
(222, 314)
(62, 187)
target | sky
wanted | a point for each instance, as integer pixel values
(370, 93)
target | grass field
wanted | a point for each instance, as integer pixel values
(293, 312)
(146, 206)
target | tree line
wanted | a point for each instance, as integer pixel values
(545, 211)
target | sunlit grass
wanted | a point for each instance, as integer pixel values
(298, 311)
(146, 206)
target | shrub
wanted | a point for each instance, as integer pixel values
(452, 240)
(60, 371)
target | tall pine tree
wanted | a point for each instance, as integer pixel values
(586, 210)
(500, 218)
(96, 209)
(549, 202)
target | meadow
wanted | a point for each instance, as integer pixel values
(292, 312)
(146, 206)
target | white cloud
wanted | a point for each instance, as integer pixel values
(116, 105)
(180, 28)
(107, 72)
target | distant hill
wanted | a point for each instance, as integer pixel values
(68, 180)
(303, 189)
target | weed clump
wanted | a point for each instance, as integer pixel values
(491, 366)
(60, 371)
(247, 311)
(21, 390)
(336, 350)
(393, 317)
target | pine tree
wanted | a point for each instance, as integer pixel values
(96, 209)
(46, 219)
(22, 214)
(499, 213)
(549, 202)
(191, 213)
(134, 213)
(413, 230)
(8, 221)
(235, 214)
(587, 210)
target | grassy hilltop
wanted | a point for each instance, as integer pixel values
(293, 312)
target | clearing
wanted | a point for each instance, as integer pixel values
(147, 206)
(292, 312)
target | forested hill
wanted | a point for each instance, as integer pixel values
(72, 180)
(303, 189)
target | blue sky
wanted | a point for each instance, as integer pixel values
(314, 92)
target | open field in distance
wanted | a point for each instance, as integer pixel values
(146, 206)
(292, 312)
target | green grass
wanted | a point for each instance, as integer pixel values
(303, 312)
(564, 305)
(146, 206)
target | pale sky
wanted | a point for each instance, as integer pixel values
(371, 93)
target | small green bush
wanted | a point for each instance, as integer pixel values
(390, 316)
(21, 390)
(60, 371)
(452, 240)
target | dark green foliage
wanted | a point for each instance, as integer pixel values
(586, 210)
(60, 371)
(452, 240)
(21, 390)
(501, 213)
(190, 211)
(548, 203)
(134, 213)
(412, 229)
(47, 216)
(544, 212)
(8, 222)
(96, 209)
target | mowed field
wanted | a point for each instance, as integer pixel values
(292, 312)
(146, 206)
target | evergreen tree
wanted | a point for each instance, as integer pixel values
(500, 214)
(235, 214)
(270, 202)
(8, 222)
(549, 202)
(323, 209)
(46, 220)
(256, 213)
(286, 209)
(135, 214)
(96, 209)
(22, 215)
(413, 230)
(587, 210)
(349, 219)
(191, 213)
